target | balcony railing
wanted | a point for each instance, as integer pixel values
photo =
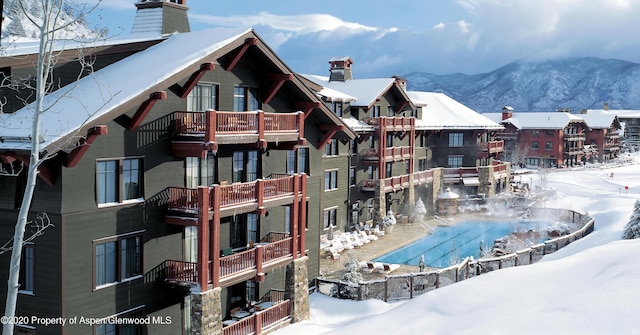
(392, 123)
(185, 199)
(393, 153)
(396, 183)
(574, 137)
(213, 127)
(422, 177)
(492, 147)
(255, 323)
(187, 272)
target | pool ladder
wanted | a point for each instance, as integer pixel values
(426, 227)
(441, 221)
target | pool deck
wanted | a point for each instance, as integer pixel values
(402, 234)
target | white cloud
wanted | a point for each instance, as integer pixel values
(302, 24)
(439, 26)
(463, 26)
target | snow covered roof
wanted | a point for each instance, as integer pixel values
(538, 120)
(357, 125)
(365, 91)
(442, 112)
(333, 95)
(626, 113)
(599, 118)
(97, 97)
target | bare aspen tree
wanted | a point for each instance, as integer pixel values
(48, 21)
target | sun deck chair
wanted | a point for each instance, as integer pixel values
(377, 231)
(362, 238)
(388, 268)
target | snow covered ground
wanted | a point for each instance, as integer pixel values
(588, 287)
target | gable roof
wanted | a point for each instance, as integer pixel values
(538, 120)
(442, 112)
(365, 91)
(599, 119)
(103, 95)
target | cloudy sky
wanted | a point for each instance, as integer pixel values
(437, 36)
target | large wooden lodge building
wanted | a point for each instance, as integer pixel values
(191, 174)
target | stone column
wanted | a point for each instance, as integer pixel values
(206, 312)
(437, 186)
(297, 289)
(412, 196)
(379, 202)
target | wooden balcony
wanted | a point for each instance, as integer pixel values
(198, 132)
(237, 198)
(574, 137)
(492, 147)
(396, 183)
(392, 123)
(389, 154)
(260, 320)
(422, 177)
(236, 267)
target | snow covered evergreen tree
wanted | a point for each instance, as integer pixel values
(351, 275)
(632, 229)
(419, 211)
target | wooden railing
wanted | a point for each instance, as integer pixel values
(273, 295)
(255, 323)
(181, 271)
(241, 261)
(460, 172)
(275, 250)
(274, 237)
(423, 176)
(396, 182)
(391, 122)
(492, 146)
(237, 122)
(186, 199)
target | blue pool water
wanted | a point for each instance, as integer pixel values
(455, 243)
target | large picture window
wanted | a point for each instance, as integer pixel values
(330, 180)
(245, 99)
(454, 161)
(203, 97)
(117, 259)
(118, 180)
(330, 217)
(456, 140)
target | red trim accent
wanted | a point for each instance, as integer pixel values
(401, 106)
(203, 237)
(214, 239)
(76, 154)
(236, 58)
(195, 78)
(280, 79)
(144, 109)
(307, 107)
(331, 131)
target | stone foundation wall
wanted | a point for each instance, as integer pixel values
(297, 289)
(206, 312)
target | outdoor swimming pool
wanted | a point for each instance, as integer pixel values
(448, 245)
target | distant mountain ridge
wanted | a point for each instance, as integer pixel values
(575, 83)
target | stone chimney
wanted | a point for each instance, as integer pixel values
(507, 112)
(160, 17)
(606, 106)
(402, 82)
(340, 69)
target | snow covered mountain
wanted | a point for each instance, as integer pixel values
(574, 83)
(16, 26)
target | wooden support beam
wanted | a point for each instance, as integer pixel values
(76, 154)
(401, 106)
(44, 172)
(279, 80)
(331, 130)
(236, 58)
(307, 107)
(144, 109)
(195, 78)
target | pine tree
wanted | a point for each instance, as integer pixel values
(351, 275)
(632, 229)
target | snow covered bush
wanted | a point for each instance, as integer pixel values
(352, 277)
(419, 211)
(632, 229)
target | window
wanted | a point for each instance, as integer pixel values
(391, 111)
(24, 330)
(117, 259)
(252, 290)
(549, 132)
(244, 229)
(535, 145)
(121, 329)
(454, 161)
(27, 269)
(127, 173)
(390, 140)
(190, 244)
(330, 217)
(422, 164)
(203, 97)
(291, 162)
(245, 166)
(370, 172)
(535, 132)
(303, 160)
(252, 227)
(375, 111)
(456, 140)
(548, 146)
(287, 220)
(331, 148)
(336, 107)
(389, 169)
(352, 176)
(245, 99)
(330, 180)
(369, 209)
(200, 171)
